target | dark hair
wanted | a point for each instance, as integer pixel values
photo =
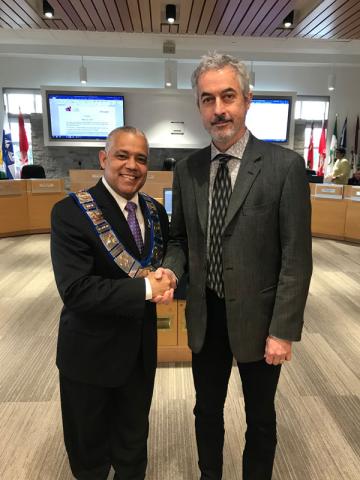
(341, 149)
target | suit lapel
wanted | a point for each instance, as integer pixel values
(147, 238)
(113, 214)
(200, 169)
(249, 169)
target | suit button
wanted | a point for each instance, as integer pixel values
(229, 268)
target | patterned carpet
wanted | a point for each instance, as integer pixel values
(318, 399)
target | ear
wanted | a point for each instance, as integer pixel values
(249, 98)
(102, 158)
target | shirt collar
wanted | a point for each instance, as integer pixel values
(121, 201)
(236, 150)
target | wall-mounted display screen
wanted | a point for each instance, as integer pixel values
(268, 118)
(78, 118)
(167, 200)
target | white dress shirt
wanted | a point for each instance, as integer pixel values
(236, 151)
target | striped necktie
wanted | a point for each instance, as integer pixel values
(220, 200)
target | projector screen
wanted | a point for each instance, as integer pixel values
(81, 118)
(269, 117)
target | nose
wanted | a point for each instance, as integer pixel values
(219, 106)
(131, 162)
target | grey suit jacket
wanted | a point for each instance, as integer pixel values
(266, 246)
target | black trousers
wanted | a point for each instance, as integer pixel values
(106, 427)
(211, 371)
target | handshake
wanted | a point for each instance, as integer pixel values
(163, 283)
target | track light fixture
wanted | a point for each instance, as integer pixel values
(48, 9)
(83, 72)
(289, 20)
(170, 70)
(331, 82)
(170, 12)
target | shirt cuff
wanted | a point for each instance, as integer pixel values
(148, 292)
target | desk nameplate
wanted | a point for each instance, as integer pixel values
(12, 187)
(46, 186)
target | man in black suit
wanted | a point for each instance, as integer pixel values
(105, 244)
(241, 227)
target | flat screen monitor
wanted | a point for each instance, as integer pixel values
(167, 200)
(269, 117)
(78, 118)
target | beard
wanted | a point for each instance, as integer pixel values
(222, 134)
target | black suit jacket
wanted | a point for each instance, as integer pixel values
(105, 322)
(266, 243)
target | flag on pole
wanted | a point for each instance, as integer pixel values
(322, 151)
(310, 155)
(342, 142)
(23, 141)
(333, 143)
(7, 150)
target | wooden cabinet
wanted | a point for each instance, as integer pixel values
(172, 336)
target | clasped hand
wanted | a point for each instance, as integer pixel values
(163, 283)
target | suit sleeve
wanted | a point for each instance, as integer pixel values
(83, 285)
(176, 256)
(296, 259)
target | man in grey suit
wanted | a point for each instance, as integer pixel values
(241, 228)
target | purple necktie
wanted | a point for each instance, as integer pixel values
(134, 224)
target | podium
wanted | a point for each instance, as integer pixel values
(13, 208)
(84, 179)
(42, 196)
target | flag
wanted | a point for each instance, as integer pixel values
(7, 150)
(310, 155)
(23, 141)
(342, 142)
(333, 143)
(322, 151)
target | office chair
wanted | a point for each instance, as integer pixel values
(33, 171)
(169, 164)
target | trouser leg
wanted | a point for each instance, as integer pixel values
(259, 383)
(211, 371)
(86, 427)
(130, 425)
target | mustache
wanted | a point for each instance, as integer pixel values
(220, 119)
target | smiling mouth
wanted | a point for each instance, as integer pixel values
(128, 177)
(221, 123)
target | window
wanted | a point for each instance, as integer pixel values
(29, 101)
(310, 110)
